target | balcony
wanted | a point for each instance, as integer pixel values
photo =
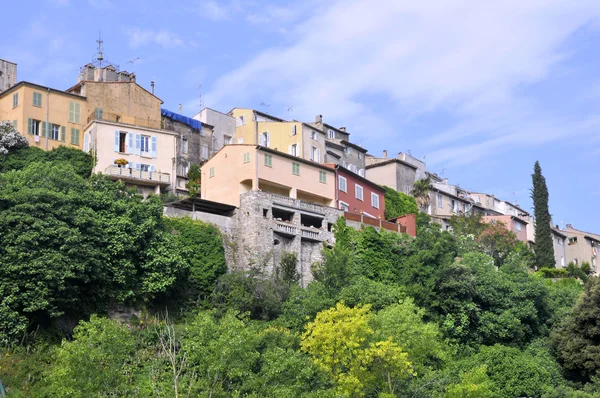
(138, 176)
(124, 119)
(374, 222)
(286, 228)
(296, 203)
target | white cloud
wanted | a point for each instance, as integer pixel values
(469, 60)
(218, 10)
(143, 37)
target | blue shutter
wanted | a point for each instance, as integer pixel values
(130, 143)
(116, 141)
(153, 147)
(138, 166)
(138, 141)
(152, 168)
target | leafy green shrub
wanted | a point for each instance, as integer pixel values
(553, 273)
(398, 204)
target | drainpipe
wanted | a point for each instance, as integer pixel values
(47, 121)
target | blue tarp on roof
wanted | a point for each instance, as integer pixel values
(193, 123)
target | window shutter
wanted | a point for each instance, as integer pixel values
(63, 133)
(77, 113)
(86, 139)
(130, 143)
(138, 166)
(289, 148)
(138, 142)
(29, 126)
(268, 139)
(318, 155)
(116, 141)
(154, 147)
(44, 129)
(152, 168)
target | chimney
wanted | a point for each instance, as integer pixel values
(152, 85)
(180, 108)
(570, 226)
(385, 153)
(342, 129)
(445, 181)
(319, 119)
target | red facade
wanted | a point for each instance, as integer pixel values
(358, 195)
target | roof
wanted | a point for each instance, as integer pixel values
(574, 231)
(312, 127)
(258, 113)
(511, 217)
(391, 160)
(203, 205)
(129, 82)
(329, 126)
(453, 196)
(193, 123)
(357, 147)
(592, 238)
(211, 109)
(335, 155)
(25, 83)
(344, 170)
(292, 157)
(556, 232)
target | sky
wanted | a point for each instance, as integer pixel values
(477, 90)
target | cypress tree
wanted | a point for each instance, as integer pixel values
(544, 247)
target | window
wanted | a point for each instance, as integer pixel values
(268, 160)
(204, 152)
(345, 164)
(562, 261)
(322, 177)
(145, 145)
(561, 241)
(54, 132)
(74, 112)
(33, 127)
(294, 150)
(359, 192)
(375, 200)
(37, 99)
(15, 123)
(331, 134)
(265, 139)
(344, 206)
(573, 240)
(226, 140)
(359, 155)
(519, 227)
(314, 135)
(353, 168)
(212, 172)
(74, 136)
(240, 140)
(296, 168)
(343, 184)
(453, 205)
(98, 113)
(246, 157)
(294, 129)
(184, 146)
(15, 100)
(313, 153)
(240, 121)
(440, 200)
(349, 150)
(361, 172)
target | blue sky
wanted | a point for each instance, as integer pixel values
(480, 90)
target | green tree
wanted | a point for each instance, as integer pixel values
(544, 248)
(420, 192)
(473, 384)
(577, 338)
(10, 138)
(398, 204)
(95, 363)
(194, 180)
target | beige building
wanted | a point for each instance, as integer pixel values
(512, 223)
(559, 241)
(237, 169)
(46, 116)
(582, 247)
(149, 154)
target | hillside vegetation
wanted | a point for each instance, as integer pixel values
(441, 315)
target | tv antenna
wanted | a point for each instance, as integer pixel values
(200, 98)
(263, 104)
(98, 60)
(132, 61)
(290, 108)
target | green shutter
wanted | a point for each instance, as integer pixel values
(44, 129)
(63, 133)
(29, 126)
(14, 122)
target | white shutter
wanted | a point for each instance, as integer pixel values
(268, 140)
(318, 155)
(86, 142)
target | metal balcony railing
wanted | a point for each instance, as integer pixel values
(128, 173)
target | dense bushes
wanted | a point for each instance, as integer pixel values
(398, 204)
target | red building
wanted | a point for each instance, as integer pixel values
(356, 194)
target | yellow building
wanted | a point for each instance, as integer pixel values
(237, 169)
(291, 137)
(46, 116)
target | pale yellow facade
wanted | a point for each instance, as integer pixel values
(47, 117)
(290, 137)
(149, 154)
(237, 169)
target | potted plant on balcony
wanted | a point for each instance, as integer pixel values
(121, 162)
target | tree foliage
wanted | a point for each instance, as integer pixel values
(544, 248)
(10, 138)
(398, 204)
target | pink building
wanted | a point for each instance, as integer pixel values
(512, 223)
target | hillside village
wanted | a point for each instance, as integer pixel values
(273, 184)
